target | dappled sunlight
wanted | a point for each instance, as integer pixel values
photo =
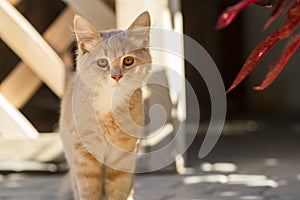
(11, 180)
(12, 184)
(214, 178)
(251, 180)
(271, 162)
(298, 177)
(233, 183)
(233, 179)
(251, 197)
(227, 193)
(218, 167)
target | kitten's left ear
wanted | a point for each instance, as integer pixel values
(142, 21)
(86, 35)
(140, 29)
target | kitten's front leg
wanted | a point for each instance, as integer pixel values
(118, 184)
(87, 174)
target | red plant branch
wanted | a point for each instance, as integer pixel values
(293, 19)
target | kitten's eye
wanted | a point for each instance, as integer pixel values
(127, 61)
(102, 62)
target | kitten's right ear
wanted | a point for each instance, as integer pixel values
(86, 35)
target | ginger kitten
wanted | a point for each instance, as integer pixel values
(102, 109)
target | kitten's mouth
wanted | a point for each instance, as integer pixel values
(116, 84)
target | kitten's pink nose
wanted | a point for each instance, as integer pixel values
(117, 77)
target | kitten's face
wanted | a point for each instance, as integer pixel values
(113, 58)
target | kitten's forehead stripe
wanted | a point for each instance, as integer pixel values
(110, 33)
(118, 43)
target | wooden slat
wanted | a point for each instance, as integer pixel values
(22, 82)
(19, 86)
(28, 44)
(14, 2)
(68, 58)
(60, 35)
(13, 124)
(96, 11)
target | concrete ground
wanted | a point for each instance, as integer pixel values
(259, 165)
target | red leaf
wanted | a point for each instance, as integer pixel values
(291, 47)
(256, 55)
(231, 12)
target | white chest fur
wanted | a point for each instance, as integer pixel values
(108, 99)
